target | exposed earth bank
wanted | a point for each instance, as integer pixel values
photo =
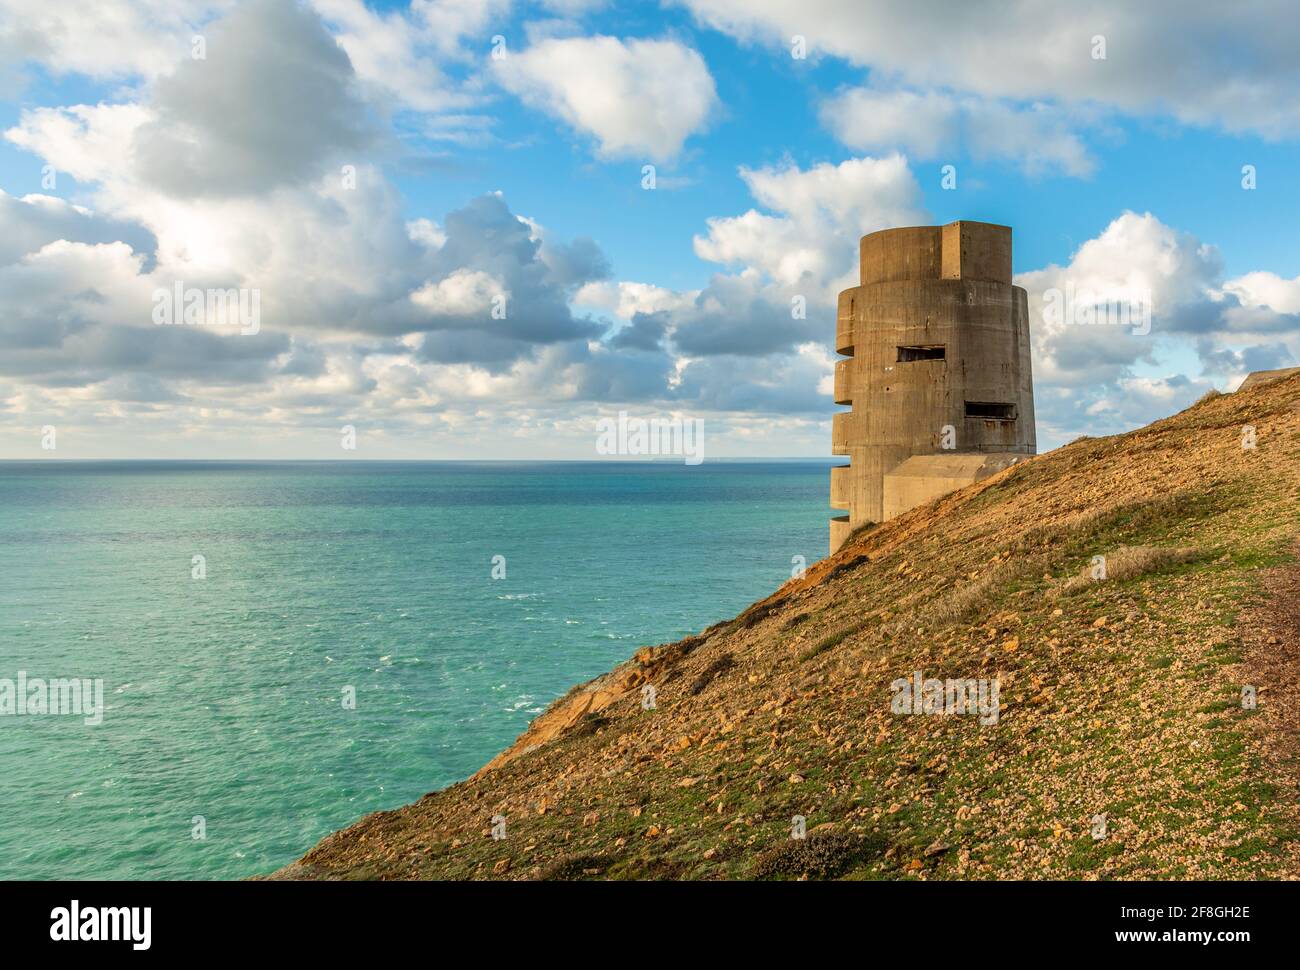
(1122, 746)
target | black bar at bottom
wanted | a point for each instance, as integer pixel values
(332, 920)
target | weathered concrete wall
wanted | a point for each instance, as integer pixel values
(937, 345)
(923, 478)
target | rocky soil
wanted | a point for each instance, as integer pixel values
(1122, 747)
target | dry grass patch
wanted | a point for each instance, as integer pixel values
(971, 598)
(1126, 562)
(831, 641)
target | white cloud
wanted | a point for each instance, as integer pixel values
(821, 213)
(427, 233)
(1136, 253)
(743, 328)
(1135, 258)
(463, 292)
(422, 58)
(385, 52)
(402, 53)
(35, 220)
(273, 103)
(1038, 137)
(75, 314)
(369, 315)
(89, 142)
(922, 124)
(929, 124)
(379, 315)
(1262, 289)
(639, 98)
(1103, 378)
(106, 39)
(740, 343)
(1159, 54)
(787, 383)
(626, 299)
(448, 23)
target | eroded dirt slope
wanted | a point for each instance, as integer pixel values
(1120, 698)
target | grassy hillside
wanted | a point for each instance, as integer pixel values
(1118, 697)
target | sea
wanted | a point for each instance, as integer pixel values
(279, 648)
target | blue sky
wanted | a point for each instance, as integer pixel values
(1117, 173)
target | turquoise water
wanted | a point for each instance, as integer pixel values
(224, 695)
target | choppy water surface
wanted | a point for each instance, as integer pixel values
(225, 694)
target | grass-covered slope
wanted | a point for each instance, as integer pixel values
(1119, 697)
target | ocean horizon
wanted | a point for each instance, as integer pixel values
(285, 646)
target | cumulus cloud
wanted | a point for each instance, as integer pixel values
(923, 124)
(645, 332)
(490, 252)
(226, 173)
(1112, 407)
(1267, 290)
(792, 383)
(426, 232)
(91, 143)
(1225, 362)
(1037, 136)
(66, 288)
(1040, 49)
(75, 324)
(819, 213)
(1093, 373)
(73, 314)
(329, 255)
(637, 98)
(108, 39)
(627, 299)
(756, 339)
(370, 314)
(744, 316)
(33, 221)
(932, 124)
(462, 293)
(331, 261)
(273, 103)
(402, 56)
(1137, 264)
(409, 59)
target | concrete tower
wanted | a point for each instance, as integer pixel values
(937, 371)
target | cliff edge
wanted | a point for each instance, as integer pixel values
(1130, 604)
